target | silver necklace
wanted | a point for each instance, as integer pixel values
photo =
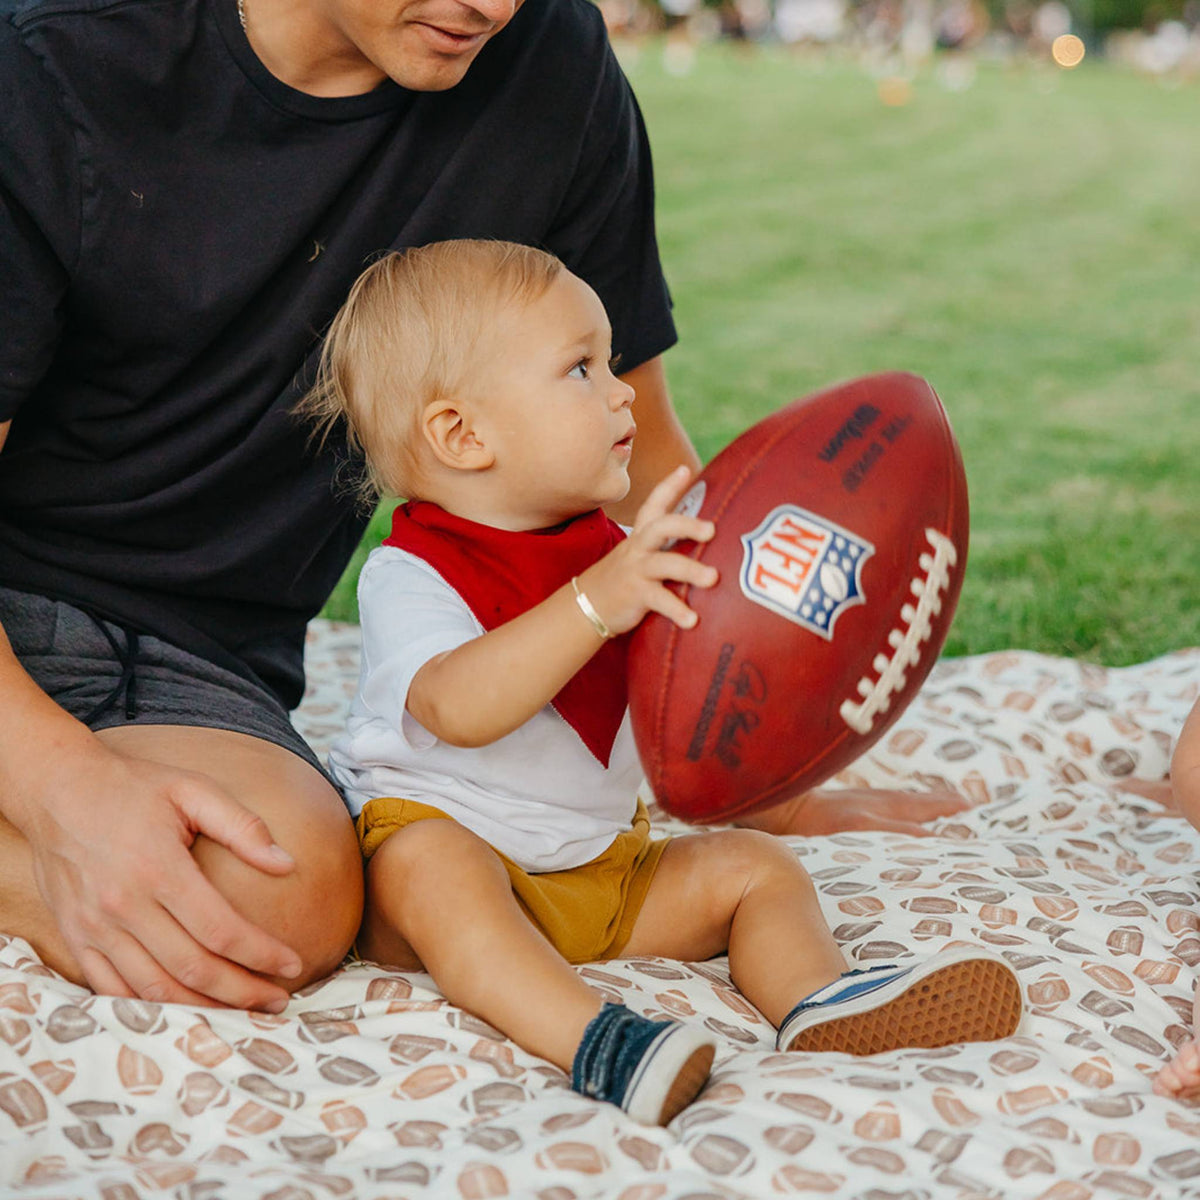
(242, 13)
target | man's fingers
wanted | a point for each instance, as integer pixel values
(164, 964)
(100, 975)
(205, 953)
(235, 827)
(208, 920)
(151, 982)
(125, 968)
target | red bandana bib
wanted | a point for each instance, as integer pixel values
(501, 573)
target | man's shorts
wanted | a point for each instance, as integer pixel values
(587, 913)
(106, 675)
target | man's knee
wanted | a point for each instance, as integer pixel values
(316, 908)
(323, 916)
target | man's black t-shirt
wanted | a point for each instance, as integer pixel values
(177, 227)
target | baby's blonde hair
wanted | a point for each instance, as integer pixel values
(405, 337)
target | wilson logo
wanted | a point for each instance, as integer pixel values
(804, 567)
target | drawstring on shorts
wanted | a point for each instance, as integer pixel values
(126, 685)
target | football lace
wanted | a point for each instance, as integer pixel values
(905, 642)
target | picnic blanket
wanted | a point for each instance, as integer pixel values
(372, 1085)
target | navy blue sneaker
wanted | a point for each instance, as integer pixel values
(651, 1069)
(964, 994)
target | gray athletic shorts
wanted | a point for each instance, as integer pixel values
(106, 675)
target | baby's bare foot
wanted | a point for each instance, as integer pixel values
(1181, 1076)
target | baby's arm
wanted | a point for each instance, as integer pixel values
(491, 685)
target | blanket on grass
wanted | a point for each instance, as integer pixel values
(372, 1085)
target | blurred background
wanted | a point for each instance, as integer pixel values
(1003, 197)
(1157, 36)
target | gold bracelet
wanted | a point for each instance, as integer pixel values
(585, 607)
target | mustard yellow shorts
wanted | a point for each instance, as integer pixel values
(587, 913)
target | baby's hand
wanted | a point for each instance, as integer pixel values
(629, 581)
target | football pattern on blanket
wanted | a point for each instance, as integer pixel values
(841, 541)
(372, 1085)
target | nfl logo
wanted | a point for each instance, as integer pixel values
(804, 567)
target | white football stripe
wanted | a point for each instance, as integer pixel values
(906, 642)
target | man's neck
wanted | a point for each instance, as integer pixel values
(305, 50)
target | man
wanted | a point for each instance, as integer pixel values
(187, 190)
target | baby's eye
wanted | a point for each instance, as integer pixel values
(579, 370)
(614, 363)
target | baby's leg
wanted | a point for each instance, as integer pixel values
(438, 897)
(1181, 1076)
(747, 892)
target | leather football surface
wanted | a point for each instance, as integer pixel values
(841, 539)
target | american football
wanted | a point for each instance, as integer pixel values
(841, 540)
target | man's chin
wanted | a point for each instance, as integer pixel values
(428, 69)
(433, 79)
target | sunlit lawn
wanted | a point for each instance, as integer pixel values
(1030, 244)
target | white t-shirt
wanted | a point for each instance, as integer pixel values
(537, 795)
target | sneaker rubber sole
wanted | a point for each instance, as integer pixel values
(671, 1074)
(958, 996)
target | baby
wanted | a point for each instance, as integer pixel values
(488, 757)
(1181, 1076)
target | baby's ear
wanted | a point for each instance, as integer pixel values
(452, 436)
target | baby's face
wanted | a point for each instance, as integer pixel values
(557, 418)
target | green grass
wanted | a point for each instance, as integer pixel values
(1031, 245)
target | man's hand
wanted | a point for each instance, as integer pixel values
(111, 857)
(841, 810)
